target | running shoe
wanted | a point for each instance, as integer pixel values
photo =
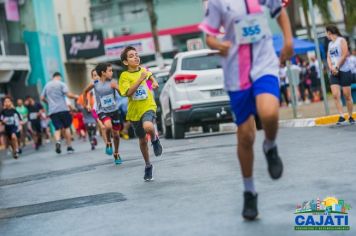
(341, 120)
(124, 136)
(108, 150)
(275, 165)
(92, 146)
(157, 147)
(19, 151)
(95, 141)
(70, 150)
(148, 173)
(117, 159)
(351, 120)
(250, 211)
(16, 155)
(58, 148)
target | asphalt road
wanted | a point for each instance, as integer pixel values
(197, 188)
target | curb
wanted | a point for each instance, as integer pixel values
(328, 120)
(312, 122)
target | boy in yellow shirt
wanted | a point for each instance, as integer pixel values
(141, 107)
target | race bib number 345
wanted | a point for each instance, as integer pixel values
(251, 29)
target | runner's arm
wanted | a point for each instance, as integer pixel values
(330, 64)
(134, 87)
(85, 93)
(72, 95)
(214, 43)
(344, 53)
(284, 23)
(154, 82)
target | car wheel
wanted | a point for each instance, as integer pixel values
(215, 127)
(206, 128)
(177, 129)
(167, 131)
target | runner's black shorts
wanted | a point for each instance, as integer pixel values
(61, 120)
(138, 125)
(344, 79)
(12, 129)
(36, 125)
(114, 117)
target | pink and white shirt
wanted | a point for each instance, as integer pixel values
(252, 55)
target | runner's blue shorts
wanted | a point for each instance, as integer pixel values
(243, 103)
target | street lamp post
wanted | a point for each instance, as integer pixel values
(323, 86)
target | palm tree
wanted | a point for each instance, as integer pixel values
(153, 21)
(324, 10)
(348, 7)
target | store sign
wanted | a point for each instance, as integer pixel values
(84, 45)
(195, 44)
(143, 46)
(11, 10)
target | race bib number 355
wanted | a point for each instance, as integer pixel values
(251, 29)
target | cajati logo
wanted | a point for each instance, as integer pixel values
(328, 214)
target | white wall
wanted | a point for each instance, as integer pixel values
(73, 16)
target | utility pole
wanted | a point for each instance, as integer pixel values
(317, 49)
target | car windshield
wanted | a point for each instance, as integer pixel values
(206, 62)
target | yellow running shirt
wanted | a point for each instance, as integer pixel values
(142, 100)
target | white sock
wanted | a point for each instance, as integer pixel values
(249, 185)
(268, 145)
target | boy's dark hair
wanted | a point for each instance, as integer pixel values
(92, 71)
(124, 53)
(333, 29)
(55, 74)
(6, 97)
(102, 67)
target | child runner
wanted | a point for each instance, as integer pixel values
(34, 116)
(95, 77)
(11, 119)
(141, 107)
(89, 121)
(251, 78)
(106, 107)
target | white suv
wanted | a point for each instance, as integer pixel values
(194, 94)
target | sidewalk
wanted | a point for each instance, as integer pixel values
(310, 114)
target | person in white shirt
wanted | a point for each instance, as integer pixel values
(340, 70)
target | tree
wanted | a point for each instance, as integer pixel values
(153, 21)
(324, 10)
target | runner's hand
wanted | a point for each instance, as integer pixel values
(114, 86)
(286, 53)
(155, 85)
(224, 48)
(89, 108)
(143, 75)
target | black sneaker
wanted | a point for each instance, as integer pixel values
(19, 151)
(16, 155)
(148, 173)
(157, 147)
(250, 211)
(341, 120)
(275, 165)
(58, 148)
(70, 150)
(351, 120)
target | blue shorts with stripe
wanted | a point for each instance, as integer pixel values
(243, 103)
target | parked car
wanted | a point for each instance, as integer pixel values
(194, 94)
(162, 78)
